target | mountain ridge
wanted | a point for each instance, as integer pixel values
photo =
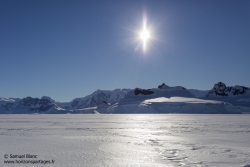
(220, 89)
(166, 99)
(101, 100)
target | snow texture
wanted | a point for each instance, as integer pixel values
(198, 93)
(128, 140)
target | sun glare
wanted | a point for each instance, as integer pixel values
(144, 35)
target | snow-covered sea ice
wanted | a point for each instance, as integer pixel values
(127, 140)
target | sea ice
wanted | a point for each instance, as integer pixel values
(127, 140)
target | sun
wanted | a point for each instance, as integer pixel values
(144, 35)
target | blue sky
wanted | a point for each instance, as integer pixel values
(68, 49)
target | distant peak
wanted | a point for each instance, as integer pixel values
(220, 89)
(46, 97)
(162, 86)
(220, 84)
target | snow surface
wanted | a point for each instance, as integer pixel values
(180, 99)
(128, 140)
(147, 104)
(198, 93)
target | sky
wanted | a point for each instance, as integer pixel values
(68, 49)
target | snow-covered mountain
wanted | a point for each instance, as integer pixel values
(167, 99)
(164, 99)
(29, 105)
(5, 103)
(176, 105)
(236, 95)
(96, 98)
(220, 89)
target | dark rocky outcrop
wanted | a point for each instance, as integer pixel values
(29, 101)
(220, 89)
(161, 86)
(138, 91)
(104, 102)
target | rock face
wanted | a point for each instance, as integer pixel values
(161, 86)
(220, 89)
(138, 91)
(102, 108)
(237, 95)
(164, 86)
